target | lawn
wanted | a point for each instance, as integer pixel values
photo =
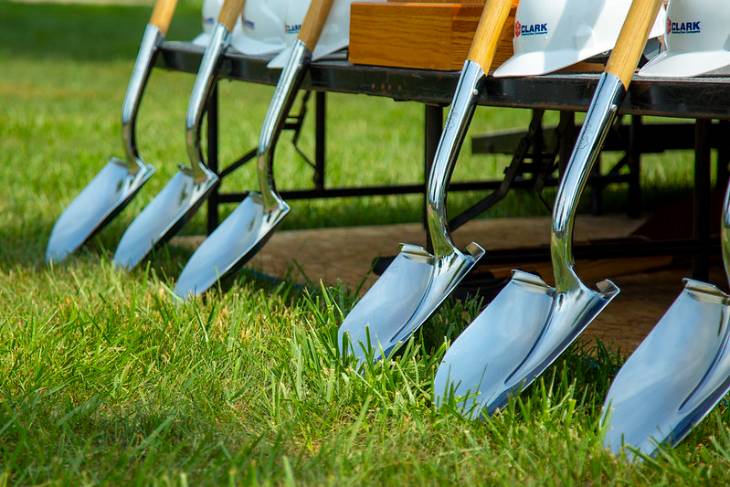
(105, 379)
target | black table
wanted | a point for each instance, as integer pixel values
(702, 99)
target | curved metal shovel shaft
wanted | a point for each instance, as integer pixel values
(416, 282)
(219, 41)
(119, 181)
(529, 324)
(151, 39)
(248, 228)
(679, 372)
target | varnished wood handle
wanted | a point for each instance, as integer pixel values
(486, 38)
(314, 21)
(162, 14)
(230, 11)
(632, 40)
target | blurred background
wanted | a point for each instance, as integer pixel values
(64, 67)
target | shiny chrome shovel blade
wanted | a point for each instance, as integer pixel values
(104, 198)
(230, 246)
(529, 324)
(675, 377)
(417, 282)
(513, 341)
(248, 228)
(164, 216)
(406, 295)
(119, 181)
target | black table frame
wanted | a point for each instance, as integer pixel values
(702, 99)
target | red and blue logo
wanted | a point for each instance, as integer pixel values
(691, 27)
(531, 29)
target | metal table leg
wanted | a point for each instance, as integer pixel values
(212, 156)
(634, 163)
(567, 140)
(320, 137)
(702, 199)
(723, 155)
(434, 125)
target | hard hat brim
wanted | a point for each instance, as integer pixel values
(328, 47)
(537, 63)
(280, 59)
(203, 39)
(685, 64)
(253, 47)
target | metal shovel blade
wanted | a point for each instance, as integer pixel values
(119, 181)
(231, 245)
(248, 228)
(513, 341)
(675, 377)
(406, 295)
(164, 216)
(105, 197)
(530, 324)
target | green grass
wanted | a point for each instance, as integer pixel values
(103, 379)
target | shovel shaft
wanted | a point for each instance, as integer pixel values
(457, 124)
(284, 96)
(489, 30)
(478, 64)
(601, 114)
(631, 41)
(153, 35)
(609, 94)
(137, 82)
(230, 11)
(199, 97)
(314, 22)
(162, 14)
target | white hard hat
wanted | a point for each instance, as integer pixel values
(335, 34)
(295, 13)
(211, 11)
(697, 38)
(263, 28)
(551, 35)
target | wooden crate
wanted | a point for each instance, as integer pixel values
(427, 35)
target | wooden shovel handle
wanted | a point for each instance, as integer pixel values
(162, 14)
(486, 38)
(230, 11)
(314, 22)
(632, 40)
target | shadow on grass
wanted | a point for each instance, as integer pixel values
(99, 33)
(25, 239)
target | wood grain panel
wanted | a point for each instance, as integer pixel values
(419, 35)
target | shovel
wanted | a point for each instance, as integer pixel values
(679, 372)
(418, 281)
(529, 324)
(120, 180)
(187, 190)
(247, 229)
